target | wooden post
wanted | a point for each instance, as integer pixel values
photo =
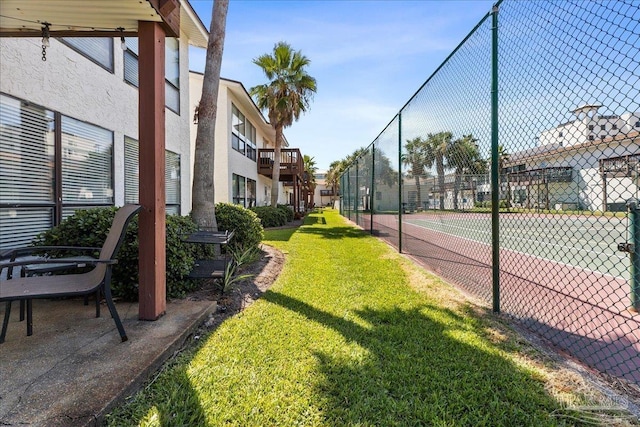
(152, 232)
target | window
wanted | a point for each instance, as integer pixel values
(172, 182)
(171, 69)
(172, 74)
(614, 126)
(97, 49)
(39, 148)
(603, 127)
(243, 191)
(243, 134)
(87, 153)
(591, 127)
(560, 135)
(638, 124)
(591, 138)
(26, 162)
(132, 176)
(251, 193)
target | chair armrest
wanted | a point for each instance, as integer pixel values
(16, 252)
(80, 262)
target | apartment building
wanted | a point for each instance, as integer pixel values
(241, 130)
(69, 126)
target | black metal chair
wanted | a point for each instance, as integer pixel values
(26, 288)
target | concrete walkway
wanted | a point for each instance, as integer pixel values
(74, 368)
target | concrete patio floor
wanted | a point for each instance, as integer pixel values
(74, 368)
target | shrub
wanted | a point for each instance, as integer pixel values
(90, 228)
(246, 224)
(287, 211)
(270, 216)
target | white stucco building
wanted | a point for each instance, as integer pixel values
(69, 127)
(241, 130)
(590, 163)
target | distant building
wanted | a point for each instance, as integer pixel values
(590, 163)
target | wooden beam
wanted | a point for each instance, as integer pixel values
(152, 231)
(169, 10)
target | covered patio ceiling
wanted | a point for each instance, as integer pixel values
(73, 18)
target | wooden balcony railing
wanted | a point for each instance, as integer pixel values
(290, 163)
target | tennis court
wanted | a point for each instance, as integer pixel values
(561, 276)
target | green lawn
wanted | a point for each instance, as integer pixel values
(352, 334)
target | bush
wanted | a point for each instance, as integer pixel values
(270, 216)
(287, 211)
(246, 224)
(90, 228)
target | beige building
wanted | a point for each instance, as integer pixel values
(241, 130)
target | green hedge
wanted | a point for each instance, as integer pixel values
(270, 216)
(246, 224)
(89, 228)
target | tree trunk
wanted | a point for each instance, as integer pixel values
(275, 177)
(440, 170)
(456, 190)
(418, 199)
(204, 213)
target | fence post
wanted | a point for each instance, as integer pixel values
(356, 201)
(373, 182)
(634, 234)
(400, 182)
(495, 173)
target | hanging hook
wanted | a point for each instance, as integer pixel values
(123, 43)
(45, 39)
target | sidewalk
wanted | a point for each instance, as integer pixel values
(74, 368)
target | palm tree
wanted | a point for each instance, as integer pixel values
(336, 169)
(463, 156)
(436, 149)
(287, 94)
(203, 212)
(310, 170)
(415, 157)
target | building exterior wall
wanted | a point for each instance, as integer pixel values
(228, 161)
(75, 86)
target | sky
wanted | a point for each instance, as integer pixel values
(368, 57)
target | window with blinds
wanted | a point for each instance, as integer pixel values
(172, 182)
(26, 152)
(132, 176)
(171, 69)
(87, 163)
(131, 170)
(27, 171)
(96, 49)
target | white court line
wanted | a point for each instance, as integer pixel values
(519, 252)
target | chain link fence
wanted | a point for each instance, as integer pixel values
(514, 172)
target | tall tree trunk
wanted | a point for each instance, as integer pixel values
(204, 213)
(456, 190)
(418, 199)
(440, 170)
(275, 177)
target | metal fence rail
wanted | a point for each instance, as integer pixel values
(514, 172)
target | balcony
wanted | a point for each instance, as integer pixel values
(541, 176)
(291, 165)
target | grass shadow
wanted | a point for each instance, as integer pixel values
(425, 366)
(168, 408)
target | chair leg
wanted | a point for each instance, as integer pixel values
(22, 309)
(98, 303)
(29, 317)
(112, 307)
(5, 323)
